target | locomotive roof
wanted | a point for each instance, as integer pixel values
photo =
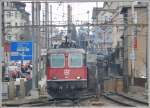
(59, 50)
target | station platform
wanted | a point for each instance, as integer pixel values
(22, 90)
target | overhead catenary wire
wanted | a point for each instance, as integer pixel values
(64, 15)
(106, 25)
(72, 1)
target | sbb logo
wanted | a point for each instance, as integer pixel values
(66, 72)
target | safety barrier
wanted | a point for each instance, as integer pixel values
(13, 89)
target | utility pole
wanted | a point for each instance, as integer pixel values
(1, 46)
(88, 30)
(148, 49)
(125, 55)
(51, 26)
(104, 41)
(38, 6)
(34, 91)
(3, 26)
(133, 42)
(2, 39)
(43, 29)
(44, 44)
(33, 48)
(69, 21)
(47, 23)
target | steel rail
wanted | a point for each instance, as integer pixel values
(133, 99)
(126, 103)
(53, 102)
(119, 102)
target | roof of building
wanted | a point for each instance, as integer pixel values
(96, 11)
(140, 5)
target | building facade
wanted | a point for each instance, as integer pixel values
(15, 15)
(139, 70)
(119, 15)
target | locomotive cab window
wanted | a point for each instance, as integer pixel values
(57, 60)
(75, 60)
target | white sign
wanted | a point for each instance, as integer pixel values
(132, 55)
(43, 52)
(91, 58)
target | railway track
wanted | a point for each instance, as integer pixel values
(46, 102)
(53, 102)
(124, 100)
(56, 102)
(66, 102)
(85, 99)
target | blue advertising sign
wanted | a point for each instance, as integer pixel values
(21, 50)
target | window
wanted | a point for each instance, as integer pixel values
(11, 14)
(22, 16)
(16, 24)
(12, 5)
(8, 24)
(16, 14)
(9, 30)
(21, 24)
(6, 3)
(75, 60)
(8, 14)
(57, 60)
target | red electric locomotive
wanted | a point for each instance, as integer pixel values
(66, 72)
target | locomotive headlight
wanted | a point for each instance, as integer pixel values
(54, 77)
(78, 77)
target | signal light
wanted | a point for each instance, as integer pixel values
(54, 78)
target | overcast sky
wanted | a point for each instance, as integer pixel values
(79, 10)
